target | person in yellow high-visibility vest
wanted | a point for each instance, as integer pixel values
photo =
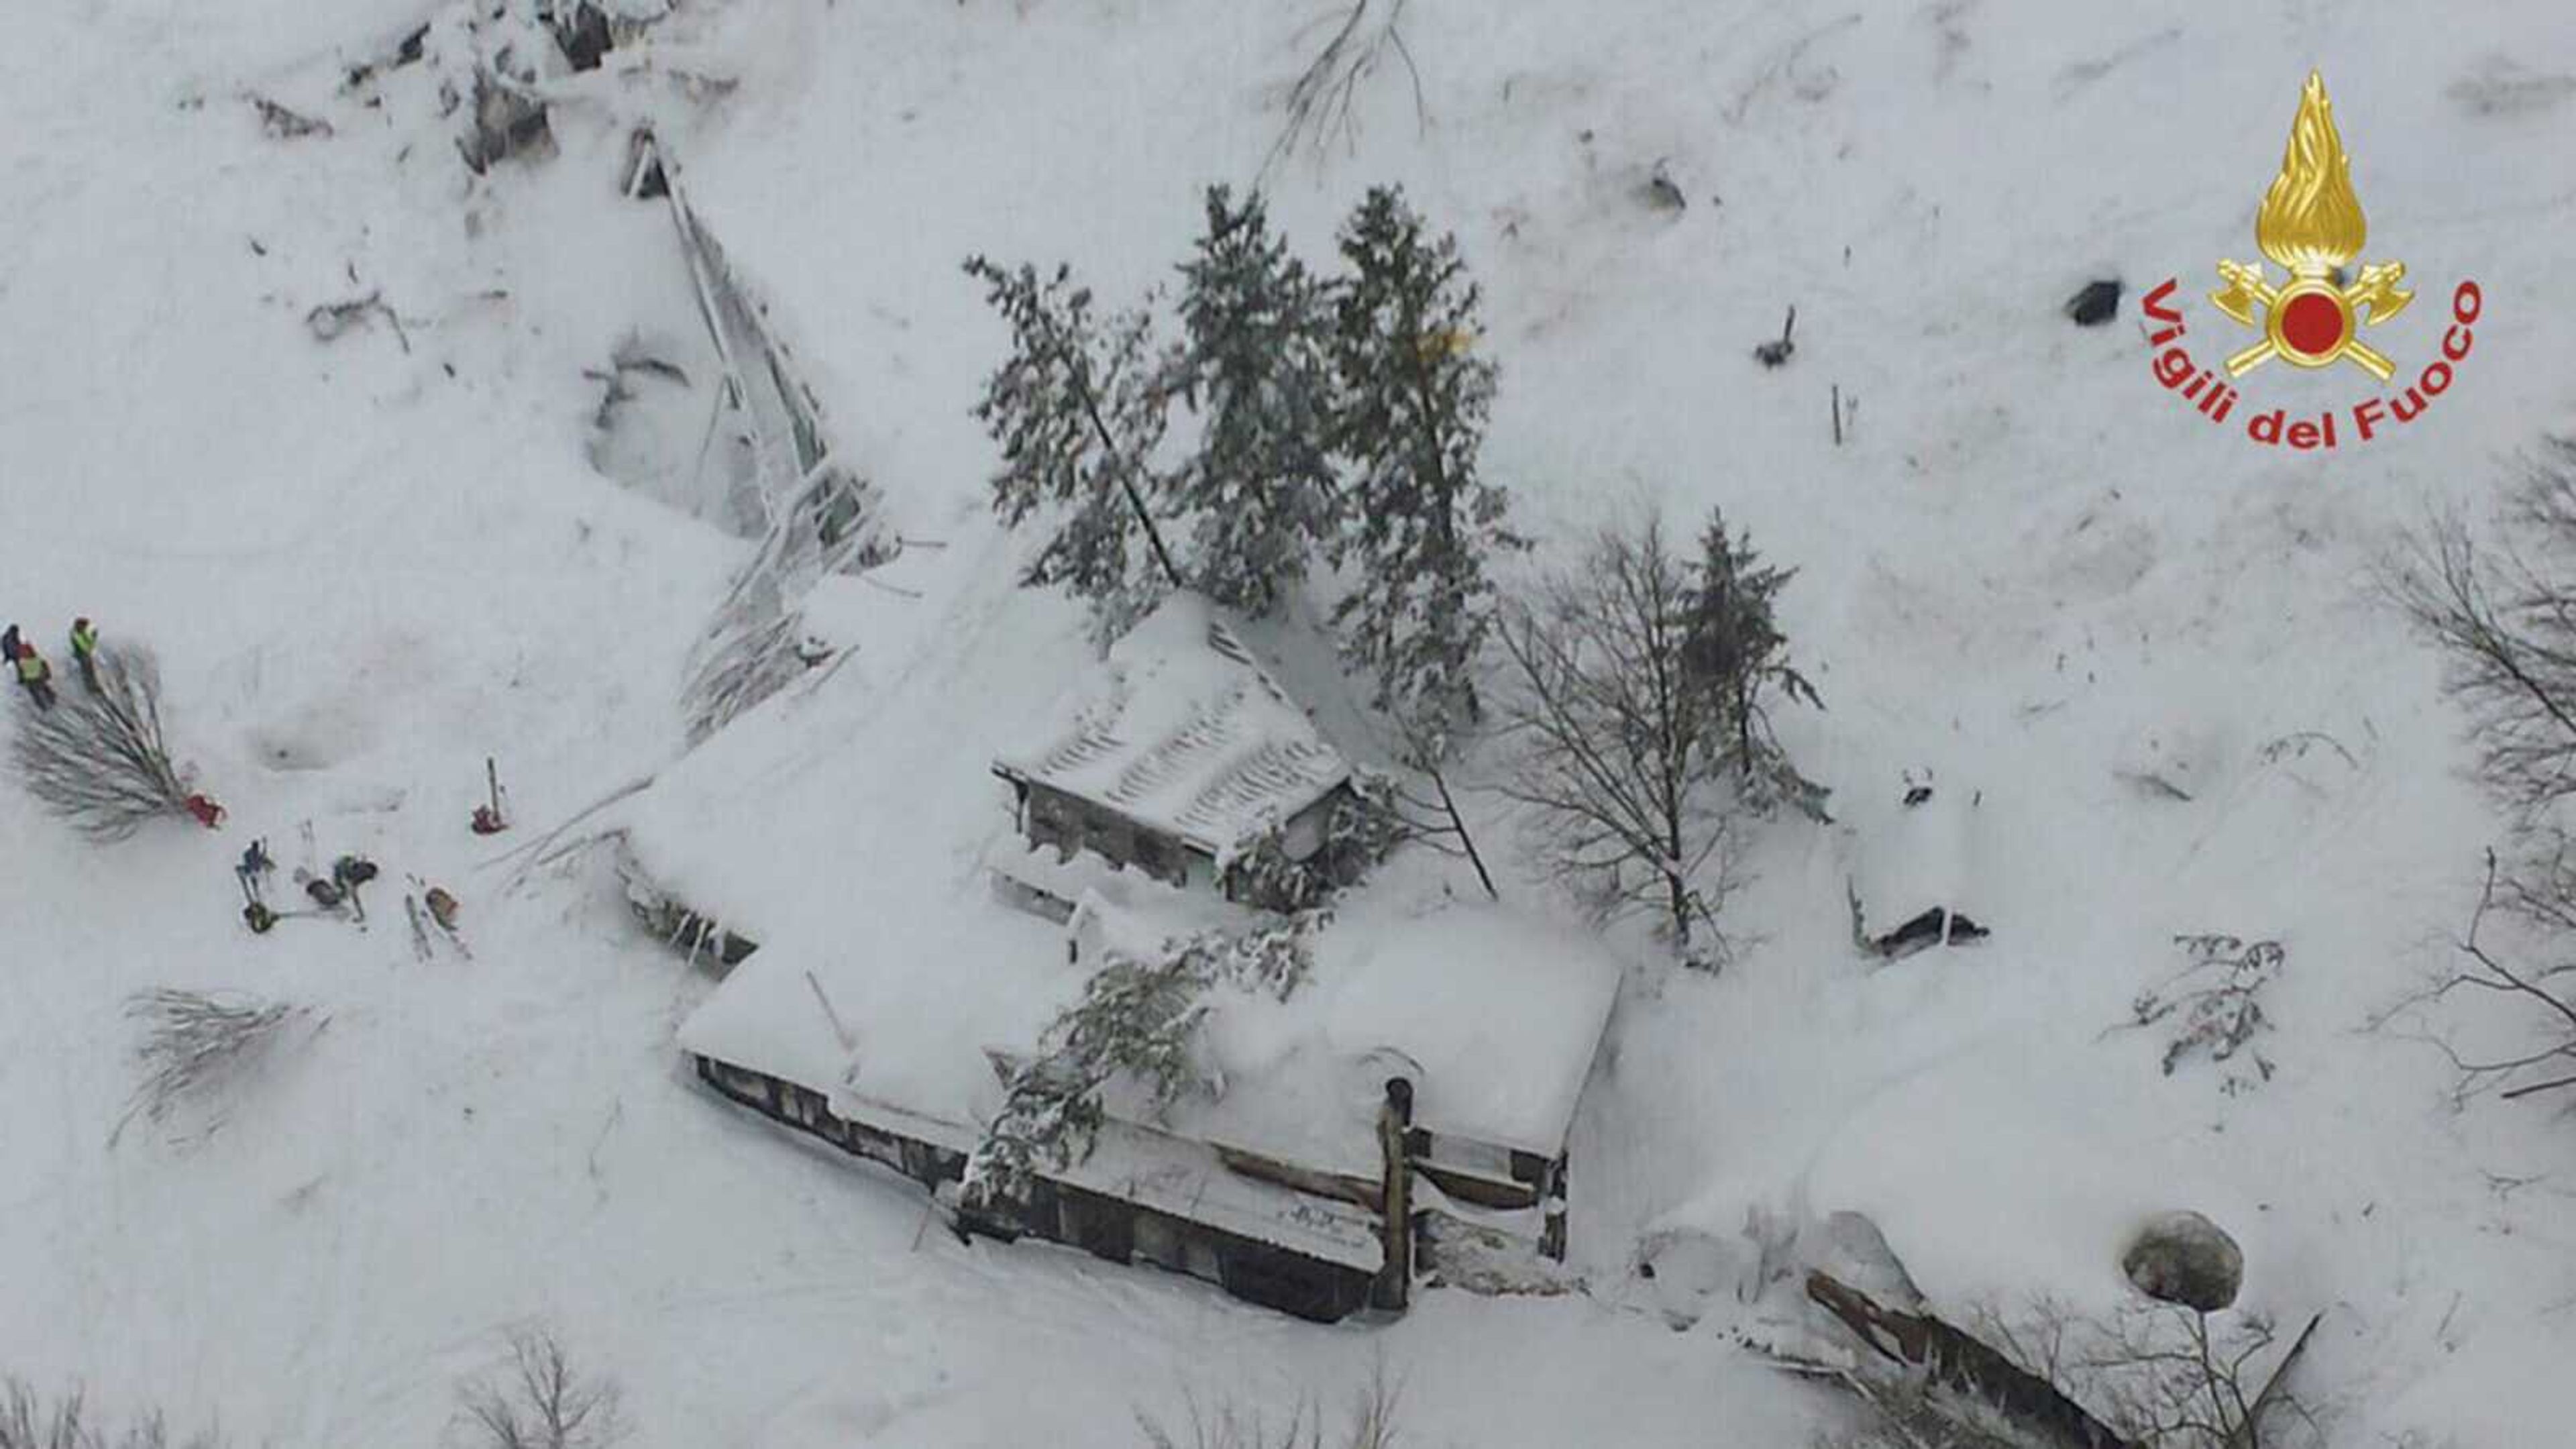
(36, 675)
(85, 652)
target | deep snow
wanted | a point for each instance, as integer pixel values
(2028, 569)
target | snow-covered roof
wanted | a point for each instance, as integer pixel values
(1184, 732)
(1493, 1017)
(849, 829)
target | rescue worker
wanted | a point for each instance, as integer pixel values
(347, 874)
(36, 675)
(85, 652)
(254, 865)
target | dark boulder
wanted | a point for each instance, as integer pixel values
(2182, 1257)
(2098, 303)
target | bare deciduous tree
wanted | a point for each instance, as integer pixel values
(2162, 1375)
(2504, 617)
(1615, 741)
(28, 1422)
(542, 1402)
(2547, 1060)
(98, 758)
(1370, 1424)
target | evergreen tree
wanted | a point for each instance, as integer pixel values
(1414, 403)
(1736, 655)
(1257, 370)
(1078, 407)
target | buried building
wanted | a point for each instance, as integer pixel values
(1178, 760)
(1916, 882)
(1396, 1106)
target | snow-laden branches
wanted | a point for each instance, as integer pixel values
(820, 518)
(97, 758)
(1136, 1024)
(755, 644)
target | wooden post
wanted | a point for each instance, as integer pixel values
(492, 779)
(1394, 1123)
(1838, 415)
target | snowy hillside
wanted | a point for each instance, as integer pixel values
(2145, 647)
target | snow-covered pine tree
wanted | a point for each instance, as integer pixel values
(1258, 371)
(1414, 398)
(1737, 655)
(1078, 408)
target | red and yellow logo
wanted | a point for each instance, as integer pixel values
(2311, 226)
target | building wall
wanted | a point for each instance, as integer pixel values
(1051, 817)
(1105, 1227)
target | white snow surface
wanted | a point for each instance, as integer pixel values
(369, 564)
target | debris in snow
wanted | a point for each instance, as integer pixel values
(2096, 304)
(644, 178)
(1912, 1346)
(2501, 86)
(2217, 997)
(1777, 350)
(2183, 1257)
(488, 819)
(405, 52)
(284, 124)
(329, 320)
(2152, 785)
(1659, 193)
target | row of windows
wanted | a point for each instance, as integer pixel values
(1062, 822)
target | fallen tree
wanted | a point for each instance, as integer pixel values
(98, 758)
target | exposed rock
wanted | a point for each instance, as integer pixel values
(2098, 303)
(2182, 1257)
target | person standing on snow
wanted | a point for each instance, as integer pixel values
(255, 865)
(36, 675)
(85, 652)
(9, 646)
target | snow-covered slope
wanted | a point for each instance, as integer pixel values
(368, 564)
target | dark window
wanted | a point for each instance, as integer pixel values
(1156, 857)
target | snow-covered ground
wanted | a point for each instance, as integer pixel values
(369, 564)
